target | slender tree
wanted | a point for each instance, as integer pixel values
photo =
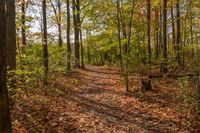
(173, 25)
(156, 33)
(68, 37)
(58, 14)
(23, 17)
(45, 45)
(79, 30)
(82, 50)
(164, 63)
(119, 33)
(149, 28)
(128, 46)
(5, 120)
(178, 34)
(76, 34)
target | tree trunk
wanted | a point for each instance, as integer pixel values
(88, 55)
(45, 45)
(178, 38)
(5, 120)
(59, 24)
(128, 48)
(68, 37)
(76, 35)
(82, 50)
(58, 15)
(119, 34)
(23, 17)
(191, 27)
(149, 29)
(160, 29)
(173, 26)
(156, 34)
(11, 35)
(164, 62)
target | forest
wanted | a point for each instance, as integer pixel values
(99, 66)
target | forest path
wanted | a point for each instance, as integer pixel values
(94, 100)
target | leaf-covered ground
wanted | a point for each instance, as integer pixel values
(94, 100)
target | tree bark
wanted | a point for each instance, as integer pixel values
(76, 35)
(5, 120)
(58, 15)
(82, 50)
(173, 25)
(164, 62)
(11, 35)
(128, 47)
(45, 45)
(23, 17)
(149, 29)
(68, 37)
(178, 38)
(156, 33)
(59, 24)
(119, 34)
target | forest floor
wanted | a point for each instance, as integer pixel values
(94, 100)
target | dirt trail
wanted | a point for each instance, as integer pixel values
(93, 100)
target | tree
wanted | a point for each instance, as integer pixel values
(82, 49)
(178, 34)
(119, 33)
(149, 28)
(23, 19)
(45, 45)
(164, 62)
(68, 37)
(156, 33)
(79, 30)
(5, 120)
(76, 34)
(173, 25)
(11, 35)
(58, 15)
(128, 46)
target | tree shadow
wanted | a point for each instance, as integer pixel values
(103, 71)
(141, 120)
(145, 120)
(40, 119)
(99, 76)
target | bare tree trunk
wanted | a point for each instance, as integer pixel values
(59, 24)
(11, 35)
(164, 63)
(58, 15)
(160, 29)
(128, 48)
(173, 26)
(191, 26)
(45, 45)
(119, 34)
(178, 38)
(88, 54)
(82, 50)
(5, 120)
(23, 17)
(149, 29)
(68, 37)
(156, 34)
(76, 35)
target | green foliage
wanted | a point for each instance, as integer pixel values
(189, 89)
(29, 73)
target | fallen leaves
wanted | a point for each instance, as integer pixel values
(94, 100)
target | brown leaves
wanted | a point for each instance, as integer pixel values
(94, 100)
